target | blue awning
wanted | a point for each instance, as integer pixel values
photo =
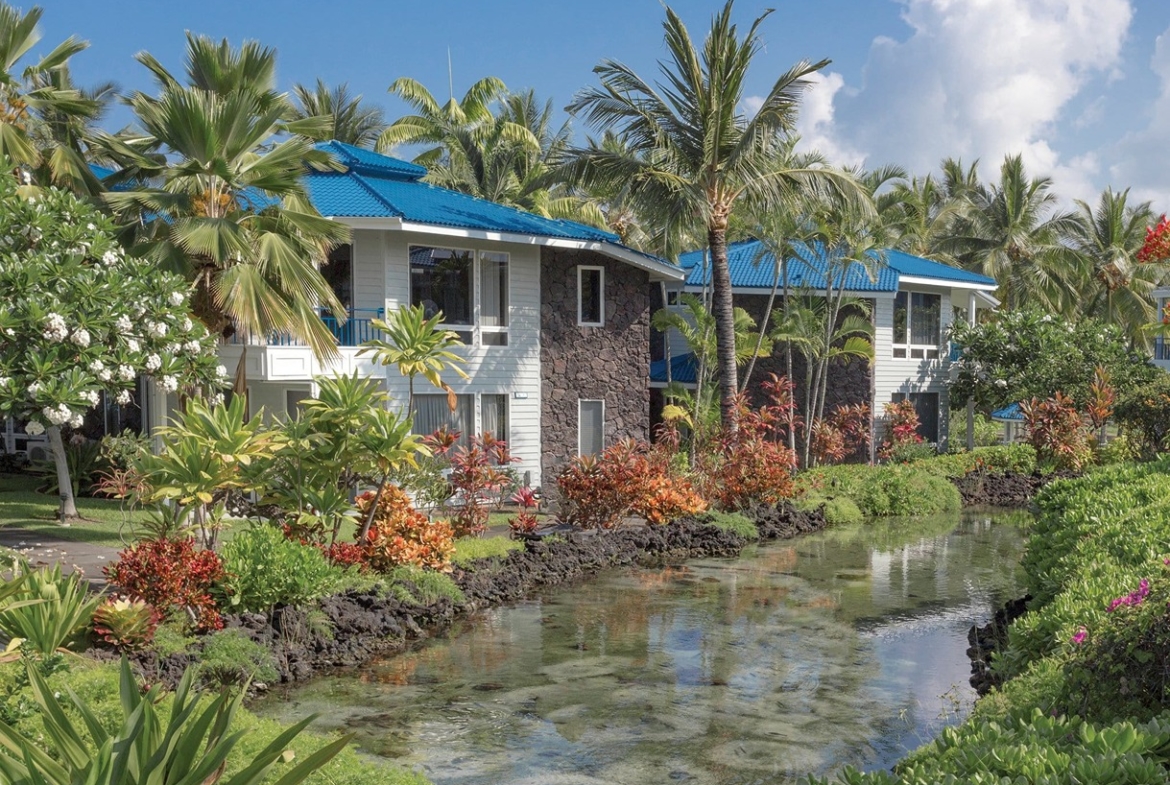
(683, 369)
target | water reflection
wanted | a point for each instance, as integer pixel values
(844, 647)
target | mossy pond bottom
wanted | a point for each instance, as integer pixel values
(846, 647)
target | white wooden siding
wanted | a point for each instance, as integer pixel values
(897, 375)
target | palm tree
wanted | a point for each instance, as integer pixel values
(690, 148)
(923, 216)
(219, 196)
(1014, 234)
(65, 137)
(417, 345)
(351, 122)
(1112, 285)
(35, 93)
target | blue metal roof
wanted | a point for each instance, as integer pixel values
(378, 186)
(1010, 413)
(683, 369)
(752, 266)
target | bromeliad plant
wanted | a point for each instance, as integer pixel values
(125, 624)
(190, 743)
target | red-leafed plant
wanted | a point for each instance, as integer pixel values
(750, 463)
(855, 423)
(173, 576)
(1156, 247)
(1102, 398)
(828, 443)
(901, 428)
(125, 624)
(345, 554)
(525, 521)
(400, 534)
(479, 480)
(1057, 432)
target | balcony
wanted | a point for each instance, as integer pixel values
(1162, 352)
(279, 357)
(358, 329)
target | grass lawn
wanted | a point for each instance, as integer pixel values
(469, 548)
(103, 522)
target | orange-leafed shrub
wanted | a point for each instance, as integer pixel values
(400, 534)
(629, 478)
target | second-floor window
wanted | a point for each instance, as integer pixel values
(590, 296)
(917, 325)
(471, 289)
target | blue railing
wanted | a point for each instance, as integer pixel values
(358, 329)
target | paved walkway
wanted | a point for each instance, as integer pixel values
(44, 551)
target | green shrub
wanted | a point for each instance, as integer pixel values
(1145, 414)
(1014, 458)
(50, 611)
(1120, 449)
(838, 510)
(171, 638)
(1032, 748)
(265, 568)
(229, 657)
(731, 521)
(1094, 539)
(421, 587)
(880, 491)
(987, 431)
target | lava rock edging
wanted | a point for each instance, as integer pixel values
(362, 625)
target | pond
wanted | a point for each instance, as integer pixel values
(799, 657)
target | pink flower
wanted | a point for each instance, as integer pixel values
(1079, 638)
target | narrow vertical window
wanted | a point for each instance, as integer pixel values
(901, 321)
(493, 293)
(591, 296)
(591, 428)
(494, 416)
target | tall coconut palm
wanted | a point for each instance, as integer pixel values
(923, 217)
(29, 94)
(351, 121)
(1113, 286)
(1014, 233)
(65, 136)
(692, 149)
(219, 196)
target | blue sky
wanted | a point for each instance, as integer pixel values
(1081, 88)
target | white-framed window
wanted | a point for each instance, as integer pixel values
(433, 411)
(470, 288)
(917, 325)
(590, 296)
(590, 427)
(672, 296)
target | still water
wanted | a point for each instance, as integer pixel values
(799, 657)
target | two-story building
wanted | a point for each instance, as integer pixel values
(1162, 315)
(555, 315)
(912, 301)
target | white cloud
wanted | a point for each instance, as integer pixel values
(1138, 158)
(975, 79)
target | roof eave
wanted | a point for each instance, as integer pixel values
(950, 283)
(659, 271)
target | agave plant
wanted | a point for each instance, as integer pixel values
(190, 744)
(49, 612)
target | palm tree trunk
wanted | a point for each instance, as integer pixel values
(369, 521)
(723, 311)
(64, 484)
(763, 329)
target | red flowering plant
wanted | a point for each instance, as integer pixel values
(750, 463)
(901, 428)
(173, 576)
(1156, 247)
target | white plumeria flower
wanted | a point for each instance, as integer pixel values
(177, 298)
(123, 324)
(126, 373)
(91, 396)
(34, 428)
(172, 349)
(193, 347)
(133, 345)
(157, 329)
(110, 258)
(57, 415)
(34, 389)
(104, 375)
(217, 399)
(55, 329)
(97, 366)
(4, 380)
(153, 362)
(170, 383)
(80, 337)
(90, 227)
(123, 397)
(220, 371)
(187, 325)
(77, 421)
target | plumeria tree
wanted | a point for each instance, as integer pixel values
(82, 319)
